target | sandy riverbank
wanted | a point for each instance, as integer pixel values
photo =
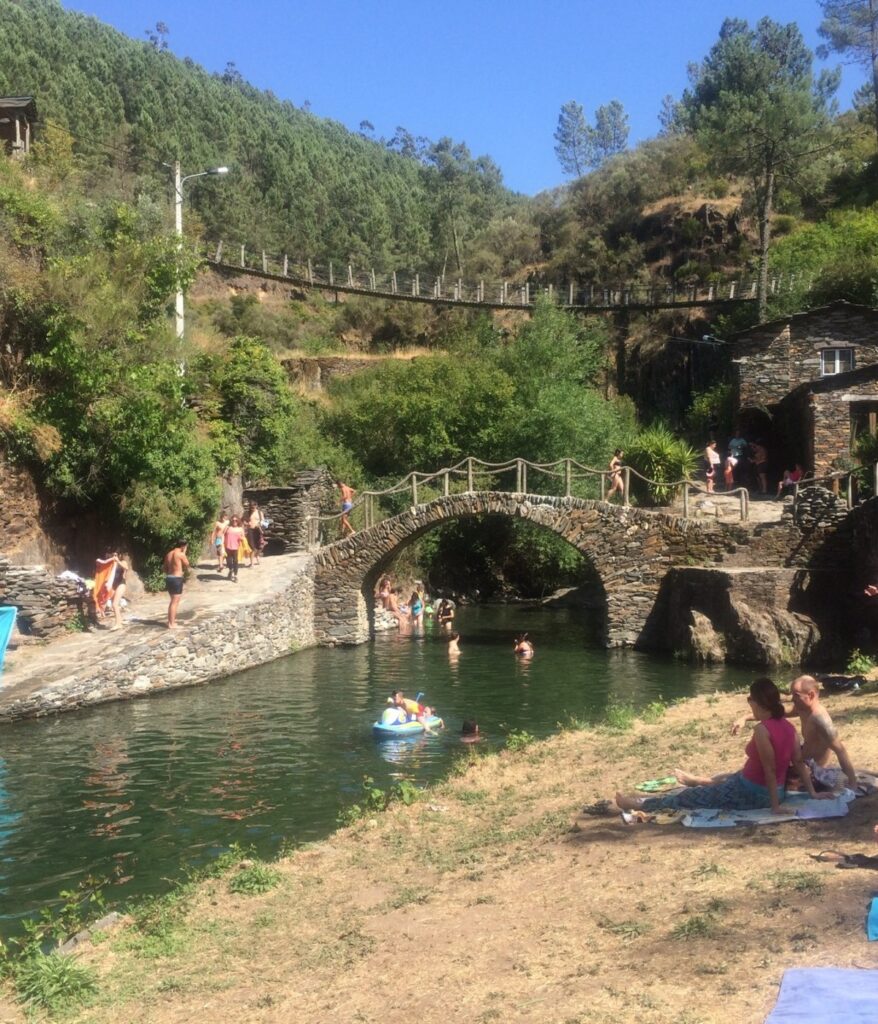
(493, 898)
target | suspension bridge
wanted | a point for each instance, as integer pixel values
(441, 290)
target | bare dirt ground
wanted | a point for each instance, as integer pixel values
(494, 898)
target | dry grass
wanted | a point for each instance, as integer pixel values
(672, 205)
(493, 900)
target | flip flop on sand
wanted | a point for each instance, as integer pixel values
(654, 785)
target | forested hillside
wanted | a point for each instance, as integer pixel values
(299, 183)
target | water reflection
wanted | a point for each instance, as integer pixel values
(136, 791)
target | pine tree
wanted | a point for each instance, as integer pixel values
(850, 27)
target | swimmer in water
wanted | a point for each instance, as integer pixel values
(523, 646)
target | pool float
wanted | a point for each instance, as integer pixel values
(410, 728)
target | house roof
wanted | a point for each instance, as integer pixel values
(26, 105)
(839, 306)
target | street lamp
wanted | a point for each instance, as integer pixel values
(179, 182)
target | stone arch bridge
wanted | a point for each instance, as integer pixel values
(631, 549)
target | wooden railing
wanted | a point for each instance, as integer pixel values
(563, 478)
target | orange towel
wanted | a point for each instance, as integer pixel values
(105, 570)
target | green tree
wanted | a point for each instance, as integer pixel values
(610, 131)
(756, 107)
(850, 27)
(574, 141)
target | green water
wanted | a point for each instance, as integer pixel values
(140, 790)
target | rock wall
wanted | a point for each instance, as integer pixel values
(291, 508)
(314, 374)
(273, 625)
(46, 605)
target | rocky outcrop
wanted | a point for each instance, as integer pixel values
(743, 616)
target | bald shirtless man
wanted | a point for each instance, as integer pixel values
(819, 735)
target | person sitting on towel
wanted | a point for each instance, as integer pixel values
(820, 738)
(760, 783)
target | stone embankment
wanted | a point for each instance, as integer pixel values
(223, 629)
(47, 604)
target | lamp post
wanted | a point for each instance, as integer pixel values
(179, 182)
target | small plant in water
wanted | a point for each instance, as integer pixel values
(518, 739)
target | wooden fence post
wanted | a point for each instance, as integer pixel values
(416, 285)
(603, 486)
(310, 272)
(523, 477)
(469, 473)
(446, 484)
(286, 265)
(567, 476)
(414, 488)
(570, 295)
(350, 276)
(243, 264)
(219, 252)
(393, 284)
(685, 500)
(372, 279)
(518, 467)
(626, 483)
(331, 278)
(264, 263)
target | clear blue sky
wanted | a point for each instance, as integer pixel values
(491, 74)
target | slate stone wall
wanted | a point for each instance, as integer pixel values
(272, 625)
(291, 508)
(776, 358)
(46, 605)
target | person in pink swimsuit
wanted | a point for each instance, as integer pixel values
(773, 747)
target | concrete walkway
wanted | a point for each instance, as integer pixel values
(33, 666)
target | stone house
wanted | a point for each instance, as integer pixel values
(18, 114)
(807, 385)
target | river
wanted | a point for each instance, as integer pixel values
(140, 790)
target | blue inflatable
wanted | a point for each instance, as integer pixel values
(412, 728)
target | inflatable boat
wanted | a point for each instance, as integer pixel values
(412, 728)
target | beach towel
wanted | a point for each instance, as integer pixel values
(7, 621)
(872, 922)
(105, 569)
(797, 807)
(826, 995)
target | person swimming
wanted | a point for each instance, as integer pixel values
(523, 647)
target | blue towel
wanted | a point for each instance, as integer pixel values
(872, 921)
(826, 995)
(7, 621)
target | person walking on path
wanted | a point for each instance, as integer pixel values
(234, 536)
(216, 539)
(254, 533)
(175, 565)
(617, 485)
(119, 588)
(347, 503)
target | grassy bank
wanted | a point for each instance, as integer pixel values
(493, 898)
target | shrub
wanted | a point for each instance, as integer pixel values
(254, 879)
(662, 458)
(53, 982)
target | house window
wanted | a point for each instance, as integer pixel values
(836, 360)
